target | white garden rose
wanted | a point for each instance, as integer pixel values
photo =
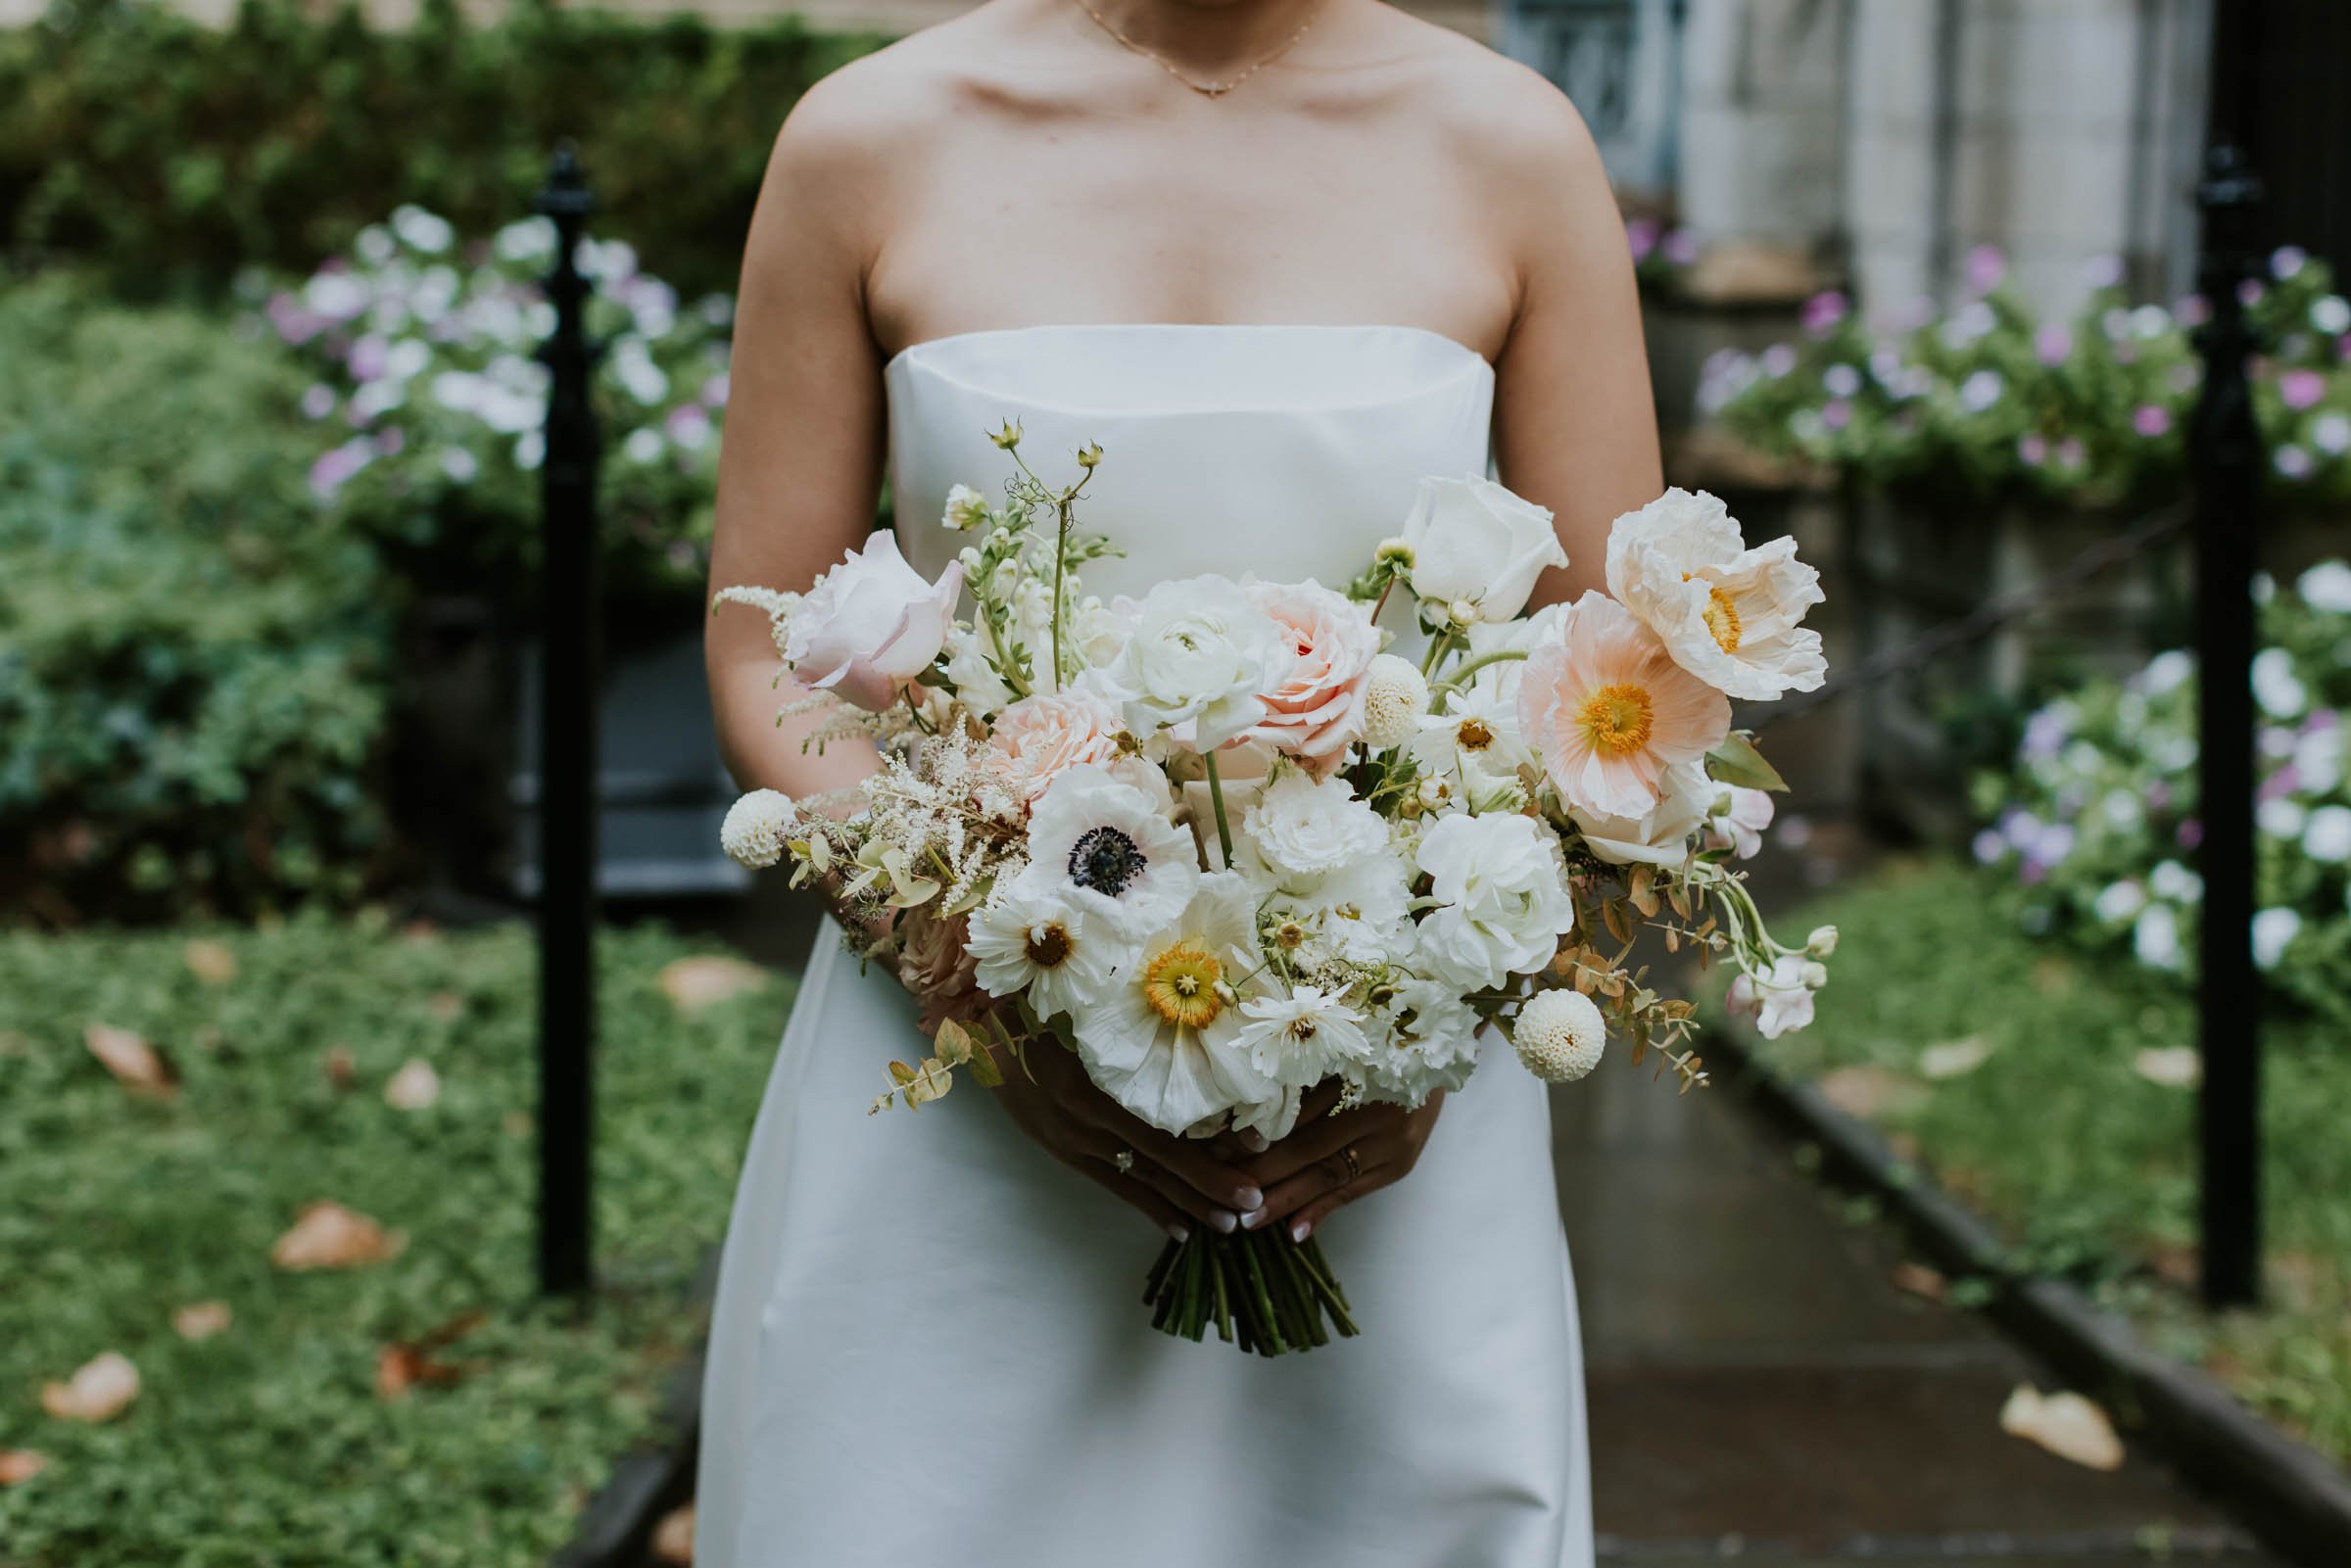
(1306, 828)
(1727, 614)
(871, 625)
(1502, 891)
(1197, 657)
(1476, 544)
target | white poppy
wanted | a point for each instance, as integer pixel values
(1729, 615)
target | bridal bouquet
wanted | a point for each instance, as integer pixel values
(1225, 848)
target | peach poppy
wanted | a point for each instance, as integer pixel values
(1609, 710)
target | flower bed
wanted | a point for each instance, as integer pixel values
(2051, 1090)
(315, 1388)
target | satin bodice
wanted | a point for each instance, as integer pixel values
(1286, 450)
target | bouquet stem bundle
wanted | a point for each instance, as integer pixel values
(1258, 1289)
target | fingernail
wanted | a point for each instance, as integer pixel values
(1297, 1232)
(1225, 1219)
(1249, 1198)
(1254, 1217)
(1254, 1142)
(1179, 1233)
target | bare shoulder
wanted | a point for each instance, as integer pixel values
(1504, 122)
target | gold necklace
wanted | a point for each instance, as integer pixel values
(1206, 89)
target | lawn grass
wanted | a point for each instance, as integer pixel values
(271, 1443)
(2088, 1166)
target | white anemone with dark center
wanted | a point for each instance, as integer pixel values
(1110, 852)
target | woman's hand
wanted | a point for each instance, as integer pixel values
(1175, 1182)
(1309, 1174)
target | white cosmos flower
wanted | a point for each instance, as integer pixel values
(1164, 1038)
(1110, 851)
(1476, 544)
(1026, 939)
(1502, 891)
(1301, 1038)
(1306, 828)
(1685, 800)
(1729, 615)
(1477, 730)
(1197, 655)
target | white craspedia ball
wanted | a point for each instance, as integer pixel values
(756, 827)
(1395, 696)
(1559, 1035)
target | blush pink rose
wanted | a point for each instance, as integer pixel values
(1314, 695)
(1038, 736)
(871, 626)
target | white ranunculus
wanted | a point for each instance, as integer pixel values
(871, 626)
(1729, 615)
(1109, 850)
(1307, 829)
(1502, 893)
(1028, 940)
(1476, 544)
(1197, 655)
(1662, 837)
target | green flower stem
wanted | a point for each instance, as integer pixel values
(1438, 646)
(1216, 798)
(1460, 677)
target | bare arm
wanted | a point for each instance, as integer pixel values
(799, 466)
(1575, 428)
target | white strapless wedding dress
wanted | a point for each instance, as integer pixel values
(930, 1348)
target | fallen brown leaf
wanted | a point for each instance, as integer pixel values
(1919, 1280)
(137, 1065)
(340, 1068)
(2175, 1067)
(96, 1392)
(1866, 1091)
(695, 983)
(201, 1320)
(1954, 1058)
(20, 1465)
(404, 1364)
(444, 1005)
(2068, 1425)
(414, 1087)
(516, 1123)
(13, 1044)
(210, 962)
(673, 1537)
(328, 1235)
(419, 931)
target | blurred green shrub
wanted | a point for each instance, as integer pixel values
(192, 650)
(173, 154)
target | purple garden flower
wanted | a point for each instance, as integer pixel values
(2053, 344)
(1641, 235)
(2295, 463)
(2071, 454)
(2151, 421)
(2191, 832)
(1825, 312)
(2302, 389)
(1986, 267)
(1681, 248)
(2032, 450)
(1837, 413)
(334, 468)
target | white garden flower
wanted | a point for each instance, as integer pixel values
(1735, 819)
(2275, 686)
(756, 827)
(1502, 895)
(1196, 657)
(2118, 902)
(2155, 938)
(1686, 798)
(1164, 1038)
(1559, 1035)
(1305, 828)
(966, 510)
(1110, 851)
(1477, 730)
(1361, 914)
(1395, 697)
(1430, 1044)
(2326, 586)
(1729, 615)
(2274, 929)
(2175, 882)
(1026, 939)
(1475, 543)
(2327, 835)
(1779, 1001)
(1304, 1037)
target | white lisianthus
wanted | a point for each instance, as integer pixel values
(1164, 1038)
(1025, 938)
(1559, 1035)
(1306, 828)
(871, 625)
(1500, 888)
(1729, 615)
(1304, 1037)
(1431, 1044)
(1662, 836)
(1780, 1002)
(1107, 849)
(966, 510)
(756, 828)
(1197, 655)
(1395, 697)
(1476, 544)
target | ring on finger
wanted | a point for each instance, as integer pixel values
(1354, 1166)
(1123, 1159)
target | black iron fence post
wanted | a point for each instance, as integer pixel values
(568, 633)
(2227, 456)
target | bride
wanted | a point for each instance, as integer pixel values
(1279, 259)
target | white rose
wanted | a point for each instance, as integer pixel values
(1197, 655)
(1501, 888)
(1305, 828)
(1475, 543)
(871, 625)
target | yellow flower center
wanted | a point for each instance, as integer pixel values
(1180, 984)
(1048, 945)
(1617, 718)
(1474, 736)
(1722, 619)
